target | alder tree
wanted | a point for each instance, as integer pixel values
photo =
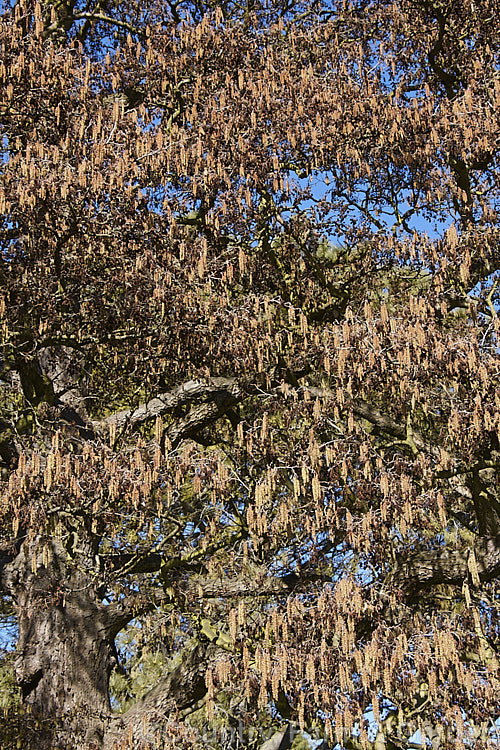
(249, 373)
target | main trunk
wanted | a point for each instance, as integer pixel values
(64, 651)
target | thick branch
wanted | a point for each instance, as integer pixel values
(182, 688)
(390, 426)
(8, 553)
(446, 566)
(200, 416)
(118, 614)
(281, 740)
(103, 18)
(383, 422)
(218, 392)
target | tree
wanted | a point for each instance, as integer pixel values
(249, 406)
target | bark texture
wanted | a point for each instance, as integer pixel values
(445, 566)
(65, 653)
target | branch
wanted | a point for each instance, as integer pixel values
(281, 740)
(255, 584)
(426, 569)
(199, 416)
(391, 427)
(182, 688)
(218, 392)
(103, 18)
(384, 423)
(8, 552)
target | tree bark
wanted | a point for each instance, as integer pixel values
(181, 689)
(434, 567)
(65, 655)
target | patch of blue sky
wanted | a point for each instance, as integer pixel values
(4, 150)
(9, 632)
(407, 217)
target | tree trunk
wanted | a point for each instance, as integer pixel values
(65, 653)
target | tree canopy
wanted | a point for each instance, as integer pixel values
(249, 373)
